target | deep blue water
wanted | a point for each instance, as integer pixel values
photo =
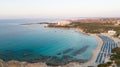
(31, 42)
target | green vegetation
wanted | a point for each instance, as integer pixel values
(105, 65)
(115, 56)
(92, 27)
(117, 33)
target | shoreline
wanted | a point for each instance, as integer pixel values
(74, 64)
(95, 53)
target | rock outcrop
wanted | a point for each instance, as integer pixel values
(14, 63)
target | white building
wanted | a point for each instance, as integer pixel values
(63, 23)
(111, 32)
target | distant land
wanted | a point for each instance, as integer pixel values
(92, 25)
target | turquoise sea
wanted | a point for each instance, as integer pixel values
(34, 43)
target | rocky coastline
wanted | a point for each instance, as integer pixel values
(14, 63)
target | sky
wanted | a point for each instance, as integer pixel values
(59, 8)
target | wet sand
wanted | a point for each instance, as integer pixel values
(95, 53)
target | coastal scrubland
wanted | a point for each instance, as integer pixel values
(94, 26)
(114, 57)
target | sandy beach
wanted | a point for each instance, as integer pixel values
(95, 52)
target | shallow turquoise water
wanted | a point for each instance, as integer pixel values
(29, 42)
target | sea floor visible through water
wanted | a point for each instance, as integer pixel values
(34, 43)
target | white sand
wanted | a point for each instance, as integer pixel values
(95, 53)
